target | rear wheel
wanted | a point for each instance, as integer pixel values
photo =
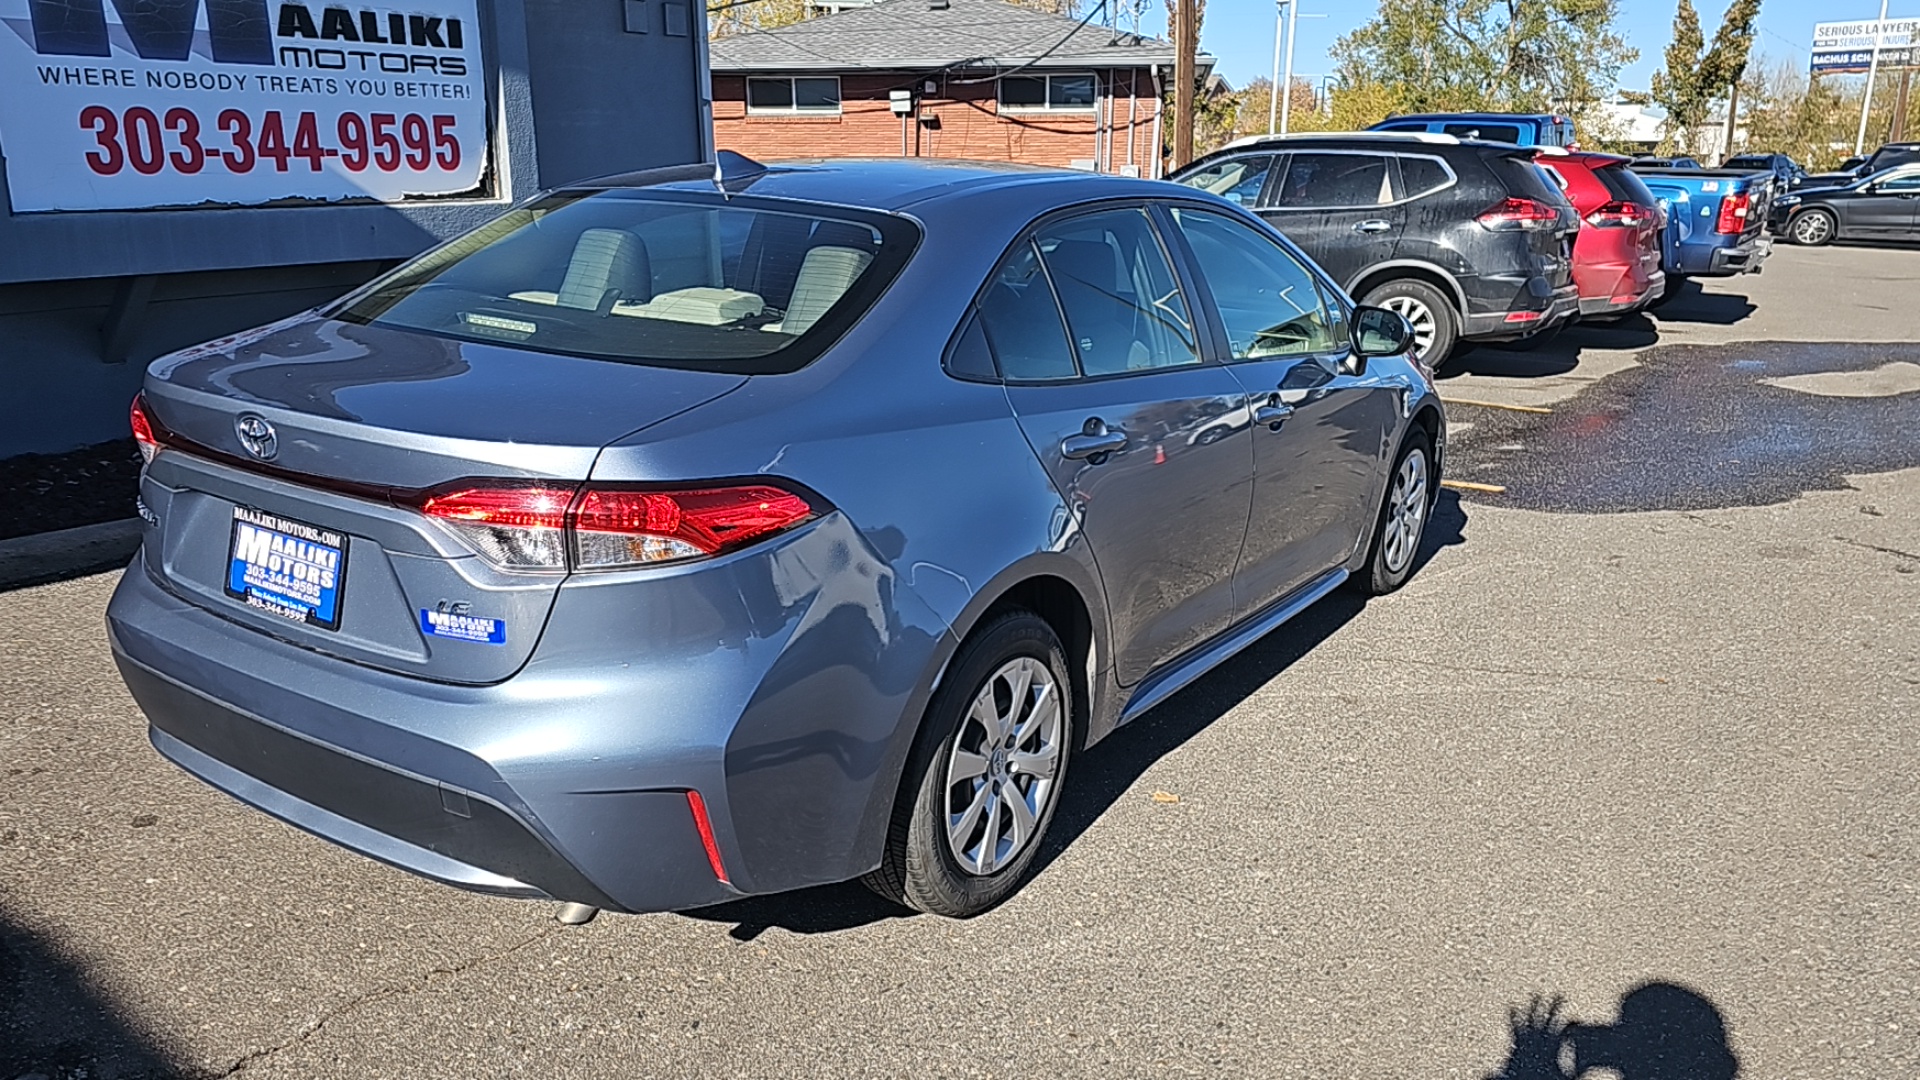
(1812, 227)
(1435, 326)
(1402, 523)
(965, 836)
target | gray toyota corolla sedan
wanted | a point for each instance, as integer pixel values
(700, 533)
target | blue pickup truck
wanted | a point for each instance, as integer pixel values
(1521, 129)
(1716, 220)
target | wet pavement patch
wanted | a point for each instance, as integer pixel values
(1698, 427)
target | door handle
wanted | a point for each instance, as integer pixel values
(1273, 413)
(1094, 443)
(1373, 225)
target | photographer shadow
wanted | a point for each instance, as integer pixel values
(1665, 1032)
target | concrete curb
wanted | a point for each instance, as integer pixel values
(67, 553)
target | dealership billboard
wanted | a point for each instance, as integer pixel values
(1847, 47)
(117, 105)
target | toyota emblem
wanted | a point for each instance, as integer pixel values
(257, 436)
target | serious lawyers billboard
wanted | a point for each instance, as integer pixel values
(135, 104)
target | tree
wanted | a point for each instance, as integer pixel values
(1517, 55)
(1680, 89)
(1726, 61)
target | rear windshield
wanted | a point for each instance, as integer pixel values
(1524, 179)
(650, 277)
(1507, 133)
(1623, 185)
(1748, 163)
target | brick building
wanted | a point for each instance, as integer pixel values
(975, 79)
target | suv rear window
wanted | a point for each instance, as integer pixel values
(1623, 185)
(1523, 179)
(676, 279)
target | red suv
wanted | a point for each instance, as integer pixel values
(1616, 258)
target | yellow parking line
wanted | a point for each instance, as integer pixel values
(1496, 405)
(1469, 485)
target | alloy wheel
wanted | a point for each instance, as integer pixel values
(1406, 512)
(1812, 229)
(1001, 774)
(1418, 315)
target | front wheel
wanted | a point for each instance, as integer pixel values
(964, 838)
(1435, 326)
(1812, 228)
(1402, 522)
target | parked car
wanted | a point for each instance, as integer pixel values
(1857, 168)
(1616, 257)
(1521, 129)
(1884, 206)
(1716, 221)
(1466, 238)
(676, 538)
(1786, 171)
(1649, 162)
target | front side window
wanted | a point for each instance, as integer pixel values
(648, 277)
(1123, 307)
(1332, 181)
(1048, 93)
(1267, 299)
(802, 94)
(1237, 179)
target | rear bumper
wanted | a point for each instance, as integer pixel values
(1622, 298)
(571, 779)
(1554, 307)
(1746, 257)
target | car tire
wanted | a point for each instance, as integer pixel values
(1401, 525)
(1813, 228)
(1005, 708)
(1430, 313)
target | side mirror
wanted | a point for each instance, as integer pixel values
(1378, 332)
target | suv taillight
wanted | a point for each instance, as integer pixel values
(143, 436)
(1733, 214)
(1515, 213)
(604, 527)
(1620, 215)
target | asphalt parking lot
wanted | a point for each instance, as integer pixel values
(1642, 734)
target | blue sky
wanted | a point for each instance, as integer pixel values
(1240, 32)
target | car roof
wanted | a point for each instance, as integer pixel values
(886, 184)
(1399, 140)
(1471, 116)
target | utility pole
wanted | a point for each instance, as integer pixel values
(1273, 88)
(1873, 70)
(1733, 109)
(1900, 108)
(1184, 47)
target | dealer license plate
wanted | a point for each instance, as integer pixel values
(286, 567)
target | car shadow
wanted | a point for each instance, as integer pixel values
(1665, 1032)
(1107, 771)
(57, 1022)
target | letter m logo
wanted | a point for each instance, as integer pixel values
(159, 29)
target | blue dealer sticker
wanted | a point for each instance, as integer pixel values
(463, 627)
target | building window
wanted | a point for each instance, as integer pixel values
(1048, 93)
(806, 94)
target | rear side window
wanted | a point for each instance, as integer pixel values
(649, 277)
(1402, 127)
(1239, 179)
(1523, 179)
(1423, 175)
(1022, 321)
(1123, 307)
(1334, 180)
(1507, 133)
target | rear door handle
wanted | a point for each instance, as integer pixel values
(1093, 445)
(1373, 225)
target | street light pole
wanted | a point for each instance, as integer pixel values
(1273, 88)
(1286, 90)
(1873, 70)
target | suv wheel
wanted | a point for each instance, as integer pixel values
(1435, 327)
(966, 834)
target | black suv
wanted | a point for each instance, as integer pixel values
(1467, 239)
(1889, 155)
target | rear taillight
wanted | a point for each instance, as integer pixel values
(1733, 214)
(539, 527)
(1617, 215)
(143, 436)
(1515, 213)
